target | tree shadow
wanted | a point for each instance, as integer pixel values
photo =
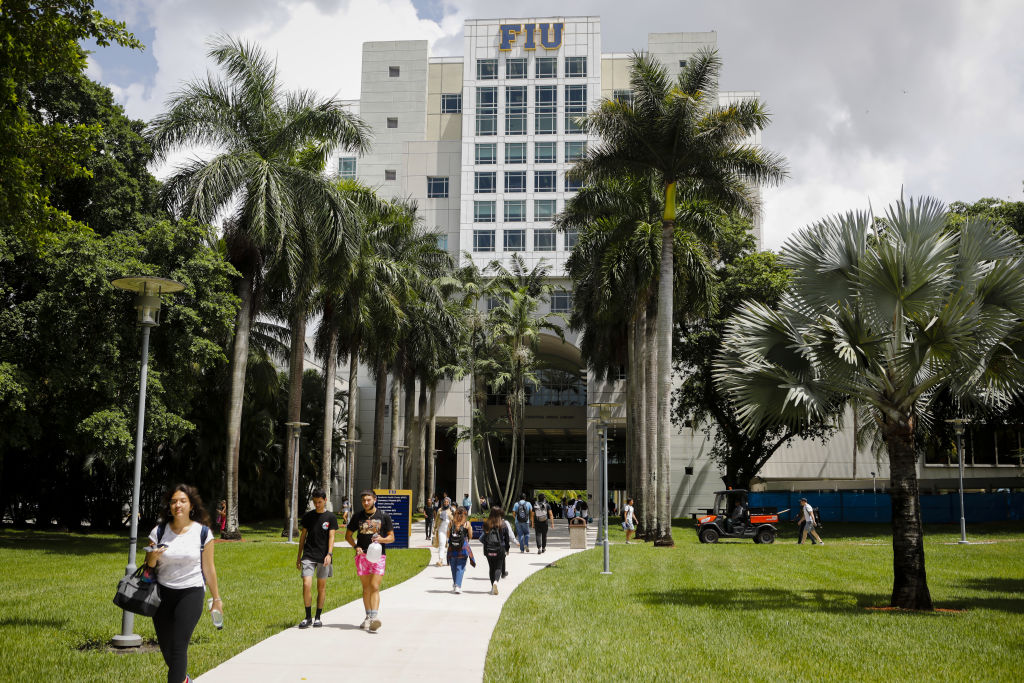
(54, 543)
(996, 584)
(32, 622)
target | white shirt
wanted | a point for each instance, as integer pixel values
(178, 566)
(444, 518)
(627, 514)
(808, 513)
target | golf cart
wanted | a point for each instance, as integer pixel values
(732, 518)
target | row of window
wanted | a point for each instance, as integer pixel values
(514, 210)
(544, 67)
(561, 302)
(486, 182)
(545, 109)
(486, 153)
(514, 239)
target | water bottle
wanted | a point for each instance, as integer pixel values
(216, 616)
(374, 552)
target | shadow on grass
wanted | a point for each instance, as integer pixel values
(996, 585)
(58, 543)
(32, 622)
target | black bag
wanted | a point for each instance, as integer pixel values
(492, 542)
(522, 512)
(138, 595)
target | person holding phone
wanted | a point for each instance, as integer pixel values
(182, 554)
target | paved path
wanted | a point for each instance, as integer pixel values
(409, 646)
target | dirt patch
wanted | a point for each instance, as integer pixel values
(148, 645)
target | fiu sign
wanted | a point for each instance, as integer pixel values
(549, 36)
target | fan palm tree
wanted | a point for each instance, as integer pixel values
(697, 151)
(887, 313)
(257, 130)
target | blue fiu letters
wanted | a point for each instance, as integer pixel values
(550, 36)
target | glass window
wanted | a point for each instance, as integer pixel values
(515, 110)
(544, 153)
(575, 106)
(483, 212)
(394, 71)
(515, 68)
(390, 174)
(544, 181)
(682, 63)
(546, 106)
(493, 302)
(547, 67)
(487, 111)
(543, 239)
(571, 238)
(437, 187)
(543, 209)
(575, 150)
(515, 210)
(575, 67)
(485, 182)
(572, 184)
(561, 301)
(442, 242)
(451, 103)
(392, 122)
(483, 240)
(486, 153)
(515, 240)
(486, 69)
(347, 167)
(623, 96)
(515, 181)
(515, 152)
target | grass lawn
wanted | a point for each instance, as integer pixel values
(740, 611)
(56, 611)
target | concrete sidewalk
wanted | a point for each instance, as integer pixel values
(422, 619)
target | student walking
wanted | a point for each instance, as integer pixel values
(458, 547)
(541, 519)
(442, 523)
(807, 517)
(629, 520)
(316, 555)
(570, 511)
(181, 551)
(507, 538)
(522, 513)
(429, 510)
(367, 526)
(495, 541)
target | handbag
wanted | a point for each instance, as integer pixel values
(138, 594)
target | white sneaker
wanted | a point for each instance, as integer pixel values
(494, 588)
(458, 589)
(366, 624)
(375, 624)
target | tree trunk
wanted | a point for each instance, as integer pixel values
(379, 402)
(396, 388)
(239, 362)
(420, 447)
(330, 373)
(350, 431)
(651, 423)
(910, 585)
(631, 419)
(409, 435)
(431, 443)
(642, 467)
(296, 362)
(665, 287)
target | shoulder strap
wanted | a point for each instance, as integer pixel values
(203, 534)
(160, 531)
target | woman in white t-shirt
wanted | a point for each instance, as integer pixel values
(442, 522)
(182, 560)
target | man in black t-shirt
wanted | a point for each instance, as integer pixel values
(367, 526)
(316, 555)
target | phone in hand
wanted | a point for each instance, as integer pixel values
(154, 548)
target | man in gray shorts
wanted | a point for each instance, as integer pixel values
(316, 555)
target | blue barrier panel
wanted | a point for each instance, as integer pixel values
(854, 506)
(1016, 505)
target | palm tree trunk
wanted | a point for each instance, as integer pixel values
(330, 373)
(665, 287)
(650, 485)
(296, 361)
(393, 452)
(239, 362)
(420, 442)
(431, 442)
(350, 430)
(379, 403)
(409, 426)
(910, 585)
(641, 467)
(630, 464)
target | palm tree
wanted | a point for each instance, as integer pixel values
(258, 130)
(890, 314)
(698, 151)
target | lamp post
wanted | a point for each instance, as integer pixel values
(295, 428)
(604, 412)
(350, 446)
(147, 302)
(958, 427)
(402, 450)
(872, 483)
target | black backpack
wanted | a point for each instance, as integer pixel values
(522, 512)
(456, 539)
(492, 542)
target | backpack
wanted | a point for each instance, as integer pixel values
(570, 511)
(456, 540)
(523, 512)
(492, 542)
(540, 512)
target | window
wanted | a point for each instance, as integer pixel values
(575, 150)
(487, 111)
(437, 187)
(392, 122)
(571, 238)
(547, 67)
(515, 240)
(390, 174)
(623, 96)
(486, 153)
(544, 153)
(515, 68)
(515, 110)
(483, 212)
(543, 209)
(575, 67)
(485, 182)
(493, 302)
(575, 106)
(515, 152)
(546, 106)
(486, 69)
(451, 103)
(347, 167)
(515, 181)
(544, 181)
(543, 239)
(561, 301)
(442, 242)
(483, 240)
(572, 184)
(682, 63)
(515, 210)
(394, 71)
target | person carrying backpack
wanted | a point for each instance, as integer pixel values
(495, 541)
(522, 512)
(541, 517)
(570, 511)
(459, 551)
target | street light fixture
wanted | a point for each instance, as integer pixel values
(402, 450)
(350, 447)
(295, 428)
(604, 413)
(958, 427)
(147, 302)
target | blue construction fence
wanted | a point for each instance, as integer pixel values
(854, 506)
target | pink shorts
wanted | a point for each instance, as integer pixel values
(364, 567)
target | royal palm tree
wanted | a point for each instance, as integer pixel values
(697, 150)
(257, 130)
(889, 313)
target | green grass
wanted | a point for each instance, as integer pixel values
(56, 611)
(740, 611)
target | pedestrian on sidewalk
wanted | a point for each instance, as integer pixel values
(429, 510)
(807, 517)
(367, 526)
(442, 523)
(522, 513)
(316, 555)
(509, 535)
(629, 520)
(346, 511)
(467, 502)
(570, 511)
(458, 547)
(495, 540)
(541, 519)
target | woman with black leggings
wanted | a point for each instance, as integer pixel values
(496, 542)
(182, 553)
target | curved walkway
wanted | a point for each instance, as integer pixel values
(419, 616)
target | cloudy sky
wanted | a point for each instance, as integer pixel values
(866, 98)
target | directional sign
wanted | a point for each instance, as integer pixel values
(397, 503)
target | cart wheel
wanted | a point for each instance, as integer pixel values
(764, 536)
(709, 534)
